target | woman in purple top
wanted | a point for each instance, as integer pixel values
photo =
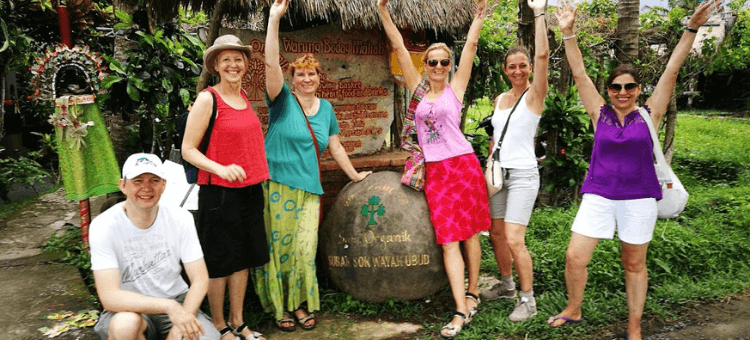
(454, 185)
(621, 188)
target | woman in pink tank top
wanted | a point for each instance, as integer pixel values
(454, 184)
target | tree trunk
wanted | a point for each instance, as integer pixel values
(213, 33)
(671, 122)
(399, 111)
(626, 47)
(564, 81)
(525, 26)
(2, 103)
(115, 122)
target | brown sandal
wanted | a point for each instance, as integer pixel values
(286, 318)
(303, 321)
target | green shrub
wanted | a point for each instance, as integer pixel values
(570, 137)
(24, 170)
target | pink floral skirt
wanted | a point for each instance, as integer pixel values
(457, 197)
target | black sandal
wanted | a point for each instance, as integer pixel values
(473, 310)
(453, 330)
(303, 321)
(224, 331)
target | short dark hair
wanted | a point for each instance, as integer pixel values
(624, 69)
(516, 49)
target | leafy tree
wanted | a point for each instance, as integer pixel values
(156, 82)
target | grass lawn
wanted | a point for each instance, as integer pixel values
(699, 255)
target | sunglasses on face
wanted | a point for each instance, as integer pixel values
(434, 62)
(618, 87)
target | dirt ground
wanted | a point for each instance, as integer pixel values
(728, 319)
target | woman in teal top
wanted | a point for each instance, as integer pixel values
(289, 147)
(288, 282)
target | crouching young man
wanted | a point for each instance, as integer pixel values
(136, 250)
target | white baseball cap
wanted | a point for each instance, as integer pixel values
(140, 163)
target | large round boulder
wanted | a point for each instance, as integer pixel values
(377, 241)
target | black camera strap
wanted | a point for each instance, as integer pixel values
(496, 154)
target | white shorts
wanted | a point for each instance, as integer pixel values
(599, 217)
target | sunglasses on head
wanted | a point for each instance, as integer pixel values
(618, 87)
(434, 62)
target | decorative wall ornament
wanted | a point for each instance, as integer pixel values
(68, 71)
(69, 76)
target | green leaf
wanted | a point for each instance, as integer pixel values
(663, 265)
(116, 66)
(108, 81)
(159, 33)
(162, 110)
(124, 17)
(146, 37)
(138, 83)
(133, 93)
(185, 96)
(167, 85)
(194, 40)
(6, 39)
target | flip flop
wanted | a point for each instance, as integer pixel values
(566, 319)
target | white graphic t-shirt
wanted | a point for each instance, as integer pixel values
(148, 259)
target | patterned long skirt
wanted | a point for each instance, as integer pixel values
(291, 218)
(457, 197)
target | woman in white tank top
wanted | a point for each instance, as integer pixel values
(511, 207)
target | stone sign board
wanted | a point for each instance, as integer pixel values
(377, 241)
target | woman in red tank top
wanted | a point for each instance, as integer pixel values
(232, 167)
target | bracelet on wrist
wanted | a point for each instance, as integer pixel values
(692, 30)
(569, 37)
(538, 15)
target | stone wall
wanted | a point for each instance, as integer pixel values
(355, 78)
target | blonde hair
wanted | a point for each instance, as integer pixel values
(437, 46)
(305, 61)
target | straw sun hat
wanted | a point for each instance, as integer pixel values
(224, 42)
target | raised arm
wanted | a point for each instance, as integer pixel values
(411, 76)
(461, 78)
(274, 74)
(592, 100)
(115, 299)
(663, 92)
(538, 90)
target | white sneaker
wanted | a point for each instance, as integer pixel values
(498, 291)
(524, 309)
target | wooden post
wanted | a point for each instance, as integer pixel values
(85, 213)
(64, 23)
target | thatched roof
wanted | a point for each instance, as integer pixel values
(444, 16)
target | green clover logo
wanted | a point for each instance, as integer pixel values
(372, 208)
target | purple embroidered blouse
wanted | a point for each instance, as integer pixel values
(622, 161)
